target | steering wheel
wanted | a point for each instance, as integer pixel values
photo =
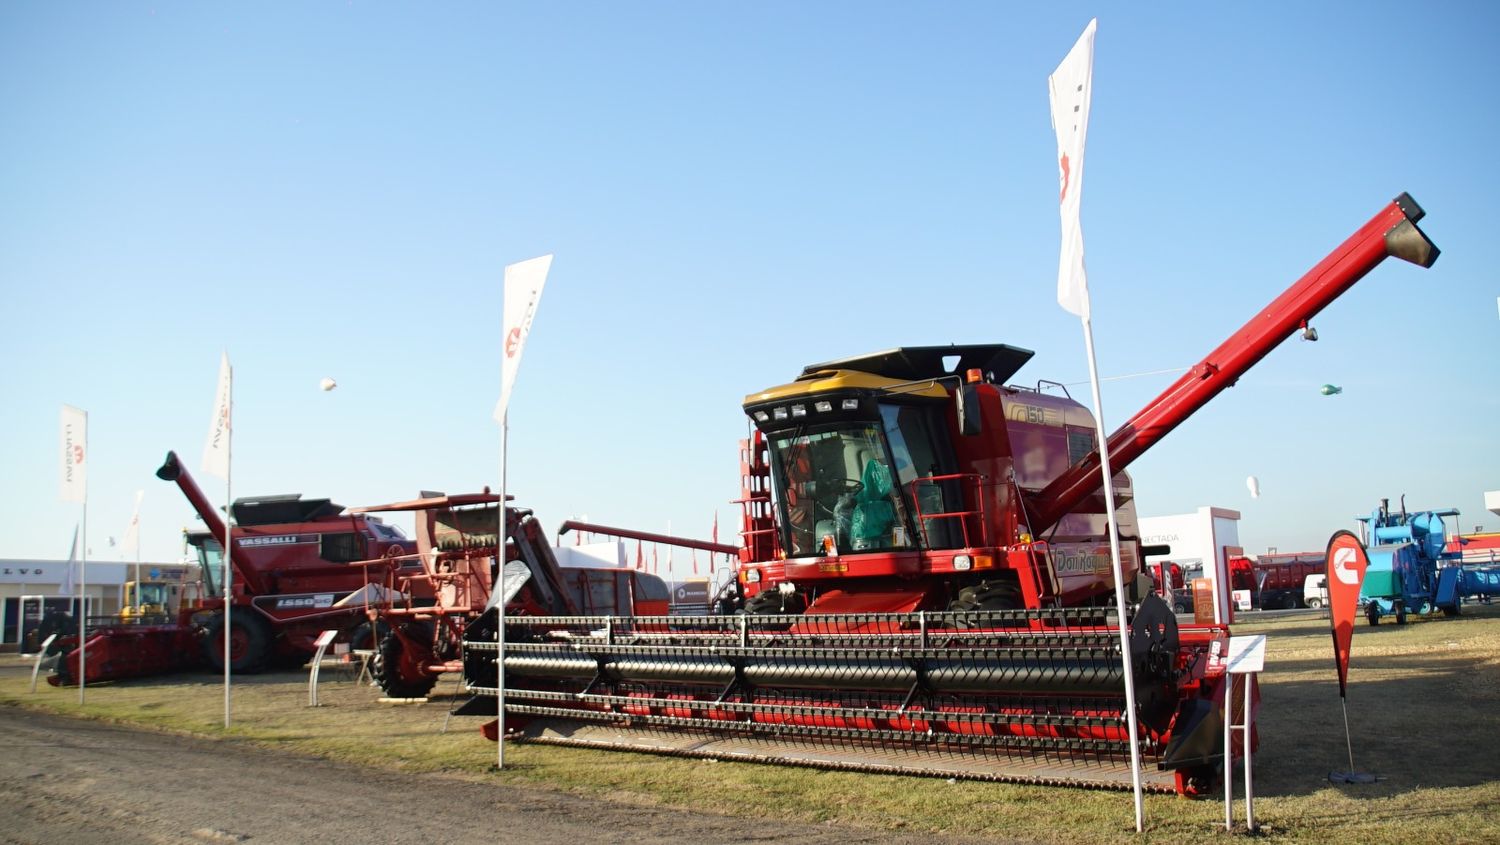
(843, 487)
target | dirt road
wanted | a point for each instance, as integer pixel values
(78, 782)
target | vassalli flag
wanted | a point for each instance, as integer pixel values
(1346, 572)
(73, 436)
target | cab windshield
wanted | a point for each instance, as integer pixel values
(151, 594)
(211, 564)
(837, 492)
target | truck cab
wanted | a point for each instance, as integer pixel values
(1315, 591)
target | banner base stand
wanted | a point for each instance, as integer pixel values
(1352, 777)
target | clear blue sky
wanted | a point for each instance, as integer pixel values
(731, 191)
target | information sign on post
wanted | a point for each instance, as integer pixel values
(1246, 657)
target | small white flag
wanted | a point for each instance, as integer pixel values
(1070, 88)
(523, 292)
(216, 448)
(130, 547)
(74, 437)
(69, 581)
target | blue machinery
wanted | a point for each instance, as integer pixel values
(1410, 571)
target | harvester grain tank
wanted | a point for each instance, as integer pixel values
(291, 581)
(926, 582)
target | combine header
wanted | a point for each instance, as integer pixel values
(925, 583)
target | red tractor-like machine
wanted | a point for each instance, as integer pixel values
(926, 584)
(292, 580)
(438, 595)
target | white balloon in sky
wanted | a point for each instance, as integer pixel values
(327, 384)
(1253, 484)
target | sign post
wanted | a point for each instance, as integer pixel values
(1247, 657)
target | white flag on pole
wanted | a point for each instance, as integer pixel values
(74, 437)
(1070, 88)
(523, 292)
(216, 448)
(132, 542)
(69, 583)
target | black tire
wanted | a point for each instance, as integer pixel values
(1000, 594)
(772, 602)
(1315, 603)
(249, 647)
(385, 668)
(367, 637)
(1372, 613)
(988, 595)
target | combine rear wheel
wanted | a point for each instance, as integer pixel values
(398, 665)
(248, 642)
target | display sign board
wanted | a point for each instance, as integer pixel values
(1247, 654)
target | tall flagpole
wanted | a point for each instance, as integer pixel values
(73, 435)
(83, 579)
(1070, 91)
(228, 542)
(500, 603)
(1114, 552)
(522, 292)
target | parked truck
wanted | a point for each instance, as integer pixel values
(925, 581)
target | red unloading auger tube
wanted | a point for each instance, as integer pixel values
(1392, 232)
(173, 470)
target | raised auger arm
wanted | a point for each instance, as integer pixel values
(173, 470)
(1392, 232)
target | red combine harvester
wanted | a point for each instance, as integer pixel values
(292, 580)
(926, 582)
(421, 639)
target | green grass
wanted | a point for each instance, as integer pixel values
(1424, 710)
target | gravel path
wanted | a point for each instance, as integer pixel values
(80, 782)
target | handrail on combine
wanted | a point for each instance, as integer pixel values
(963, 516)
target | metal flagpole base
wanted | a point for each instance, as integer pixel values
(1352, 777)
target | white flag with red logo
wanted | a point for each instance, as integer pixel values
(1070, 89)
(216, 448)
(523, 292)
(130, 547)
(74, 439)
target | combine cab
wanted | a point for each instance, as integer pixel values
(925, 582)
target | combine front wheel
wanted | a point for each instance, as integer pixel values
(248, 640)
(398, 664)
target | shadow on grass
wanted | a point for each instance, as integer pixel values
(1432, 726)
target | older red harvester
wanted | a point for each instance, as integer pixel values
(426, 611)
(291, 581)
(925, 581)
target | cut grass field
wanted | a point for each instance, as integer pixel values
(1424, 709)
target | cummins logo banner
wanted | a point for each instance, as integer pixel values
(1346, 572)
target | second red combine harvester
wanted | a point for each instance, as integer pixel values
(925, 581)
(292, 580)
